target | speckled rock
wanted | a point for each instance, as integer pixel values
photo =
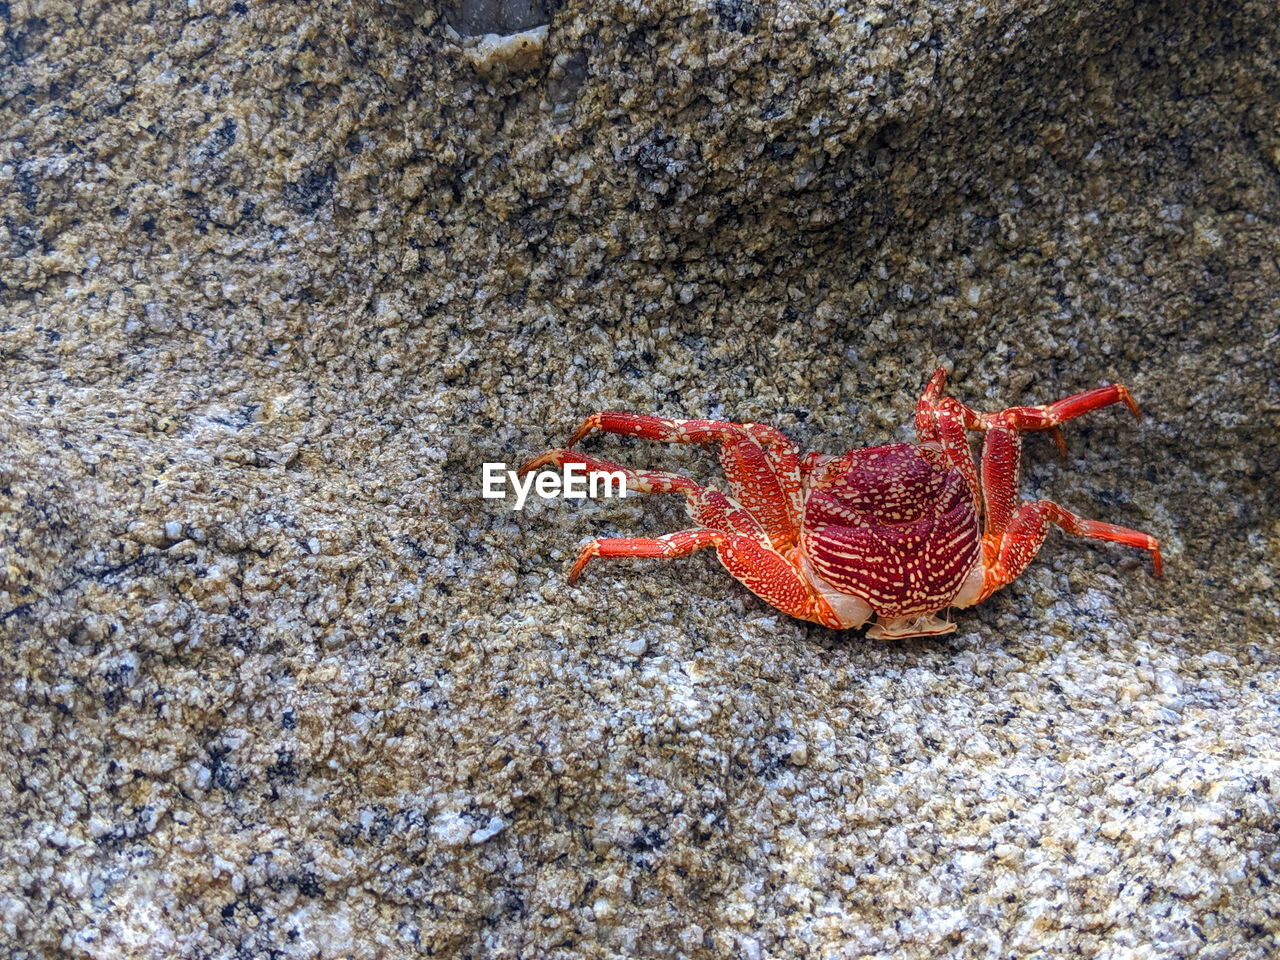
(277, 279)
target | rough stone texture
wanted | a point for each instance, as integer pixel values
(277, 278)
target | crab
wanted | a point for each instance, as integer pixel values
(899, 533)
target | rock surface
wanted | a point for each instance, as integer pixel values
(278, 278)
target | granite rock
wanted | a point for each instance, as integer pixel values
(277, 279)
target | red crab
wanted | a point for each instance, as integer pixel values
(899, 532)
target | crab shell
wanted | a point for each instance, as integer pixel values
(891, 531)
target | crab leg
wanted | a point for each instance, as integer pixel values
(645, 481)
(1013, 534)
(759, 462)
(939, 417)
(786, 465)
(1026, 533)
(740, 541)
(1001, 465)
(658, 428)
(672, 545)
(758, 567)
(945, 421)
(708, 507)
(1050, 415)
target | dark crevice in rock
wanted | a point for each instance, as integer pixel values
(473, 18)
